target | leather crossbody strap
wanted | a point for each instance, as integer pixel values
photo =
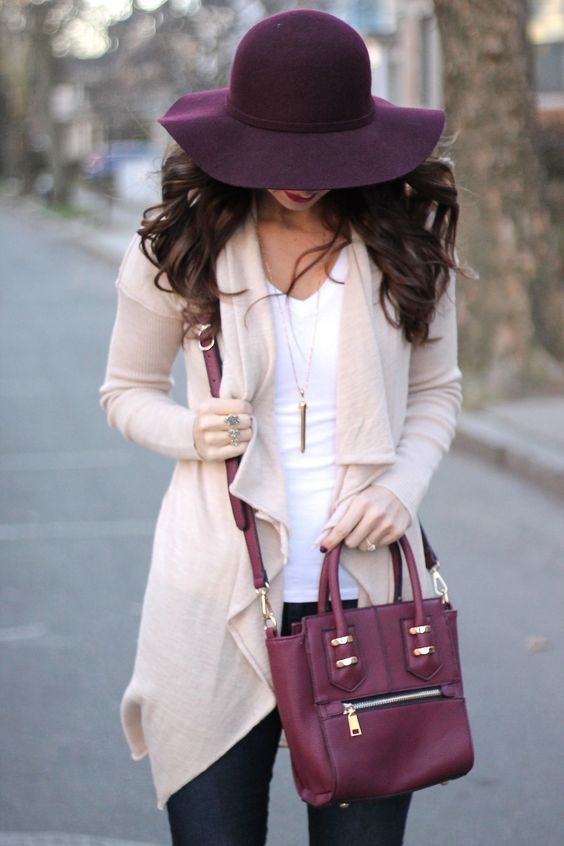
(244, 514)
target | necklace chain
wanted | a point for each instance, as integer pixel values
(269, 274)
(302, 405)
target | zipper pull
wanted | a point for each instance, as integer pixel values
(354, 725)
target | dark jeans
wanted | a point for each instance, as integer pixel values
(227, 805)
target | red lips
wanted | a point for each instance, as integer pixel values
(297, 199)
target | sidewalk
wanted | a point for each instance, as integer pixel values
(525, 437)
(104, 228)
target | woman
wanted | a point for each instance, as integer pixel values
(307, 222)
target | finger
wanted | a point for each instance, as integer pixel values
(363, 529)
(216, 423)
(243, 437)
(345, 525)
(245, 422)
(225, 449)
(223, 406)
(221, 452)
(388, 537)
(232, 450)
(384, 531)
(319, 541)
(210, 420)
(220, 438)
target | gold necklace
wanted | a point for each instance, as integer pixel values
(302, 405)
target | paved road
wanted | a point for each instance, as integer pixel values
(78, 506)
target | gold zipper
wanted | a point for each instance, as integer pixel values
(351, 708)
(354, 725)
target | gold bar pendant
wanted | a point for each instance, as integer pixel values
(302, 406)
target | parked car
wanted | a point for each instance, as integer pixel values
(127, 169)
(104, 163)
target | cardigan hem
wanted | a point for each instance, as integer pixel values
(164, 795)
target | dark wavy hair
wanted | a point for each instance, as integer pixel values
(408, 225)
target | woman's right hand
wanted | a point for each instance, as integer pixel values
(211, 437)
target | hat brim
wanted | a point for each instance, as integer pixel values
(394, 143)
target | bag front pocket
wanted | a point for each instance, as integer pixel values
(356, 706)
(389, 744)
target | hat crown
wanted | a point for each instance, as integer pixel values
(301, 71)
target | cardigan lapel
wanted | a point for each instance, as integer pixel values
(248, 347)
(364, 442)
(363, 427)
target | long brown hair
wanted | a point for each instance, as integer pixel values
(183, 235)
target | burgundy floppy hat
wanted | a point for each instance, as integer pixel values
(299, 113)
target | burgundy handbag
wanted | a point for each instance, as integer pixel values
(371, 699)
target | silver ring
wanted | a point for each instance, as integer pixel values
(371, 546)
(231, 419)
(234, 436)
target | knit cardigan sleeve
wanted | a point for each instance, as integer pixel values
(433, 405)
(145, 341)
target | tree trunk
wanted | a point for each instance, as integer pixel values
(14, 62)
(511, 338)
(44, 82)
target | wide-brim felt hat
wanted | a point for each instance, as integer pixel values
(299, 113)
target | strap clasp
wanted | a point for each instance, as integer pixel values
(266, 607)
(439, 584)
(200, 330)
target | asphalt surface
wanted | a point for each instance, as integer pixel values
(78, 506)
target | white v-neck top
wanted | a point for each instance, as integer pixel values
(309, 476)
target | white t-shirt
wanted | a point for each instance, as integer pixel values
(309, 476)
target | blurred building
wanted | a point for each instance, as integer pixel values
(404, 44)
(546, 33)
(403, 40)
(117, 96)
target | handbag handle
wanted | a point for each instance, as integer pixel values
(329, 583)
(245, 516)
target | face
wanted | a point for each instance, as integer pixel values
(297, 199)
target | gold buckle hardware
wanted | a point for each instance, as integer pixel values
(202, 328)
(266, 607)
(340, 641)
(346, 662)
(439, 584)
(424, 650)
(415, 630)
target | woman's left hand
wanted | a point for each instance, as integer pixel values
(375, 515)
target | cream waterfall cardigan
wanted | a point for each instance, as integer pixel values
(201, 677)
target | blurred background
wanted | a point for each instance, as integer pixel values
(82, 83)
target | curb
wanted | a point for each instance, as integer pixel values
(530, 458)
(57, 838)
(107, 248)
(107, 245)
